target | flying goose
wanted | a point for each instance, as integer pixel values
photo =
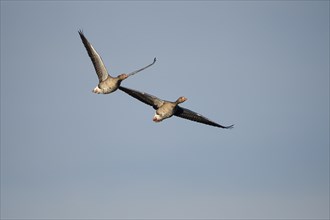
(107, 84)
(166, 109)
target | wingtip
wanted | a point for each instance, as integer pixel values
(230, 127)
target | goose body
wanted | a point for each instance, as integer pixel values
(107, 84)
(166, 109)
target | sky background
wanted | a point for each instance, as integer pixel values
(69, 153)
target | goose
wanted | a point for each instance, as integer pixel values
(107, 84)
(166, 109)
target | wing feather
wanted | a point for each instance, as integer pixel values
(98, 64)
(143, 97)
(193, 116)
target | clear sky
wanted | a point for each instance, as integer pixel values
(261, 65)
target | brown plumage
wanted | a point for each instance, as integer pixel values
(166, 109)
(107, 84)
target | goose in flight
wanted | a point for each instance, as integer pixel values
(166, 109)
(107, 84)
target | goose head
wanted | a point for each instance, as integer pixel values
(181, 100)
(122, 76)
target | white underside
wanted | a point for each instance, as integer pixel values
(97, 90)
(157, 118)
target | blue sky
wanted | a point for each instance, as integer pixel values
(261, 65)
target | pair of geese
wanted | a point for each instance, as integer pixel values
(164, 109)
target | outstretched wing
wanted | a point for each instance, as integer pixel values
(143, 97)
(143, 68)
(99, 66)
(193, 116)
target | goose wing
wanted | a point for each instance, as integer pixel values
(143, 68)
(193, 116)
(99, 66)
(143, 97)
